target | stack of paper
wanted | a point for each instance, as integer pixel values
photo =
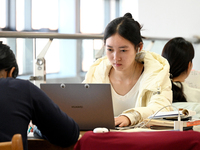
(165, 120)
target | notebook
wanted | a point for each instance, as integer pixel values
(90, 105)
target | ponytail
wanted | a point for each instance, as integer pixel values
(178, 95)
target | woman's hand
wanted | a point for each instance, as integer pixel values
(30, 127)
(122, 121)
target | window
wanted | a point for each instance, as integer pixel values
(91, 16)
(2, 13)
(46, 20)
(90, 49)
(91, 21)
(19, 55)
(129, 6)
(20, 12)
(45, 14)
(52, 55)
(42, 20)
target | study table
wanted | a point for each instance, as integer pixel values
(41, 144)
(128, 139)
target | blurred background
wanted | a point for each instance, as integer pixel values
(69, 58)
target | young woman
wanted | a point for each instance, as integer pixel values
(139, 79)
(21, 101)
(180, 54)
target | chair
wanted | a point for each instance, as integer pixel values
(15, 144)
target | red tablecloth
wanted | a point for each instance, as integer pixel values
(158, 140)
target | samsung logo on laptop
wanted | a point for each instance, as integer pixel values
(77, 106)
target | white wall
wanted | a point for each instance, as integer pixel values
(170, 18)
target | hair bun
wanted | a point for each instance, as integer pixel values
(128, 15)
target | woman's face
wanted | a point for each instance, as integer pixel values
(121, 52)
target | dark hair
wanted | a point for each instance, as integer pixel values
(179, 53)
(7, 59)
(126, 27)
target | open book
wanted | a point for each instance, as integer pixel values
(173, 114)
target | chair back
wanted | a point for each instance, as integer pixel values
(15, 144)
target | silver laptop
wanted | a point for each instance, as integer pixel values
(90, 105)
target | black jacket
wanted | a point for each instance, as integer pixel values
(22, 101)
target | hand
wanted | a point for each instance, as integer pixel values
(122, 121)
(31, 127)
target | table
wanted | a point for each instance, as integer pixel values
(41, 144)
(144, 140)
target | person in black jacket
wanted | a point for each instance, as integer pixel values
(22, 101)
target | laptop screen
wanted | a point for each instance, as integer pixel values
(90, 105)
